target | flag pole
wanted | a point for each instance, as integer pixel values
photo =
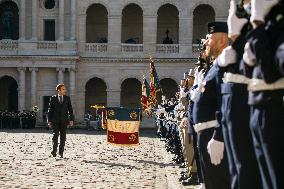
(143, 76)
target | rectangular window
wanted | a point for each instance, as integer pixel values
(49, 30)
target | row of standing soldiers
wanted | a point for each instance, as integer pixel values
(235, 112)
(16, 120)
(171, 121)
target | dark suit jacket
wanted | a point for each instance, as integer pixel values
(60, 113)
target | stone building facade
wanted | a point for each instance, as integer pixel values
(98, 48)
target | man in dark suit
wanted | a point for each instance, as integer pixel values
(60, 114)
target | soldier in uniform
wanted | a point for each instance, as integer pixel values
(191, 130)
(18, 121)
(191, 176)
(13, 121)
(10, 120)
(33, 119)
(1, 117)
(266, 89)
(206, 114)
(243, 168)
(23, 119)
(87, 119)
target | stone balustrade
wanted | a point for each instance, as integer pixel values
(167, 48)
(47, 45)
(195, 50)
(96, 47)
(131, 47)
(9, 45)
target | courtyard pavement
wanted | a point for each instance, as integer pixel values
(89, 162)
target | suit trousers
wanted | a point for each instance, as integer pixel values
(59, 129)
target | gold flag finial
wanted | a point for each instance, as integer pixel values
(97, 106)
(143, 76)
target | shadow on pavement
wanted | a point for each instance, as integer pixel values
(149, 133)
(128, 166)
(111, 164)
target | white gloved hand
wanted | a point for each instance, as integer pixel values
(195, 76)
(228, 56)
(235, 24)
(200, 78)
(159, 111)
(175, 114)
(260, 8)
(216, 151)
(190, 72)
(248, 56)
(193, 94)
(184, 123)
(181, 91)
(182, 94)
(179, 106)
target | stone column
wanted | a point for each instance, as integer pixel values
(150, 33)
(114, 34)
(73, 20)
(80, 106)
(34, 19)
(82, 34)
(33, 86)
(60, 75)
(22, 88)
(190, 22)
(82, 25)
(61, 20)
(72, 87)
(22, 20)
(184, 37)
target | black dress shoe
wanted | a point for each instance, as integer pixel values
(61, 155)
(53, 154)
(183, 178)
(193, 180)
(186, 183)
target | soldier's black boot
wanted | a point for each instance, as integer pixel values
(193, 180)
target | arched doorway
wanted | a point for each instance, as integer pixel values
(132, 24)
(97, 24)
(130, 93)
(168, 25)
(9, 20)
(95, 94)
(9, 94)
(169, 88)
(202, 15)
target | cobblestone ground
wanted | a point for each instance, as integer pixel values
(89, 162)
